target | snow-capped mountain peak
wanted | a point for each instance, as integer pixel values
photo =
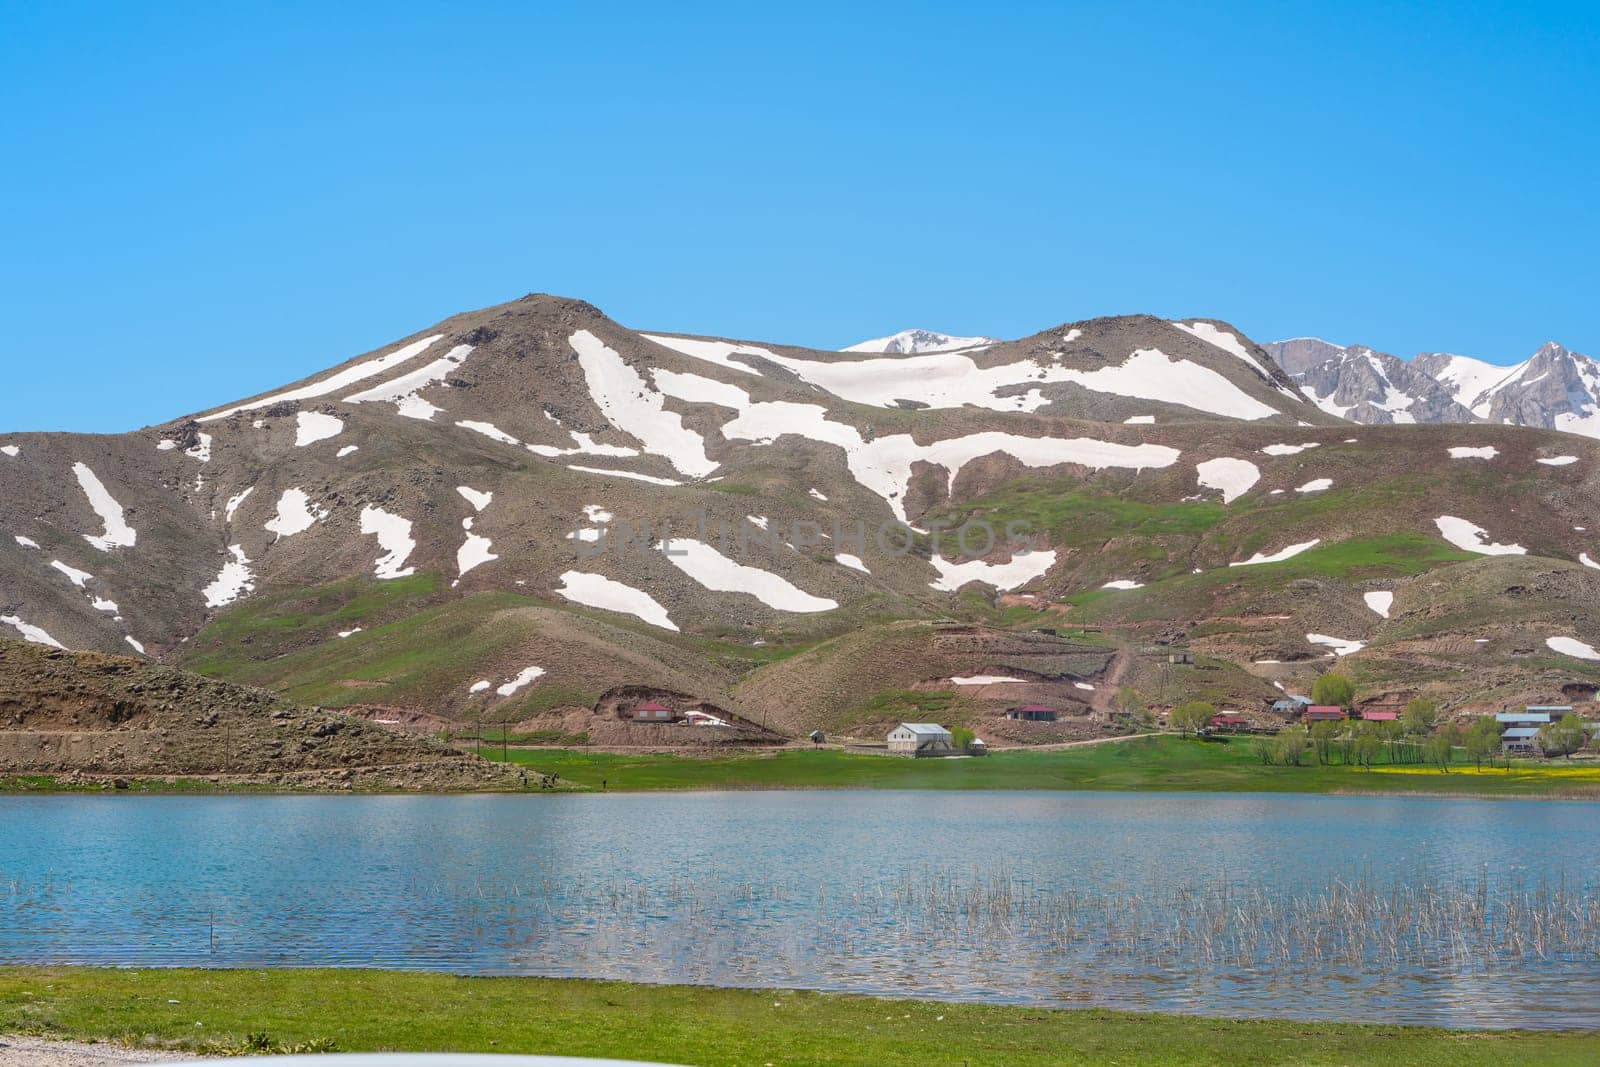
(910, 342)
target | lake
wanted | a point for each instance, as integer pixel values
(1449, 912)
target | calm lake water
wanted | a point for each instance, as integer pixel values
(1452, 912)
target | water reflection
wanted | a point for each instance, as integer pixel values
(1445, 911)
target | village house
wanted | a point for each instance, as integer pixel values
(921, 739)
(1290, 706)
(1323, 713)
(1520, 729)
(650, 711)
(1379, 715)
(1032, 713)
(1229, 721)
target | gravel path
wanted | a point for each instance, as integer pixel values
(34, 1052)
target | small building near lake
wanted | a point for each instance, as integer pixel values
(1323, 713)
(1230, 721)
(1520, 731)
(921, 739)
(1032, 713)
(1290, 705)
(650, 711)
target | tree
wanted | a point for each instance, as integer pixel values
(1419, 717)
(961, 737)
(1323, 735)
(1562, 738)
(1128, 702)
(1292, 743)
(1441, 748)
(1191, 717)
(1483, 740)
(1368, 741)
(1334, 689)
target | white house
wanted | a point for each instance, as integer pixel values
(921, 739)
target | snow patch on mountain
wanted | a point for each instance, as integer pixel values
(394, 537)
(1571, 646)
(404, 391)
(234, 502)
(1380, 601)
(118, 534)
(598, 591)
(912, 342)
(233, 581)
(1279, 556)
(75, 576)
(1340, 646)
(10, 450)
(1233, 477)
(30, 632)
(349, 376)
(1230, 343)
(477, 498)
(1018, 571)
(720, 574)
(1468, 452)
(1469, 537)
(528, 674)
(631, 405)
(313, 426)
(296, 514)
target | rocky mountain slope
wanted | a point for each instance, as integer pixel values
(1555, 388)
(531, 513)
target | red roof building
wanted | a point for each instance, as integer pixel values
(1324, 713)
(650, 711)
(1229, 720)
(1380, 716)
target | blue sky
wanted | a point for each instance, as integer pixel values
(202, 202)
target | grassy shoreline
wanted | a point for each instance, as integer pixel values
(1150, 764)
(360, 1011)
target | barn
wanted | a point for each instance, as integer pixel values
(921, 739)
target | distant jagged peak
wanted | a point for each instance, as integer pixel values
(914, 341)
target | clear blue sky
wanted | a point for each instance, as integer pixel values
(202, 202)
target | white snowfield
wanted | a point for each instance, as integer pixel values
(234, 580)
(1571, 646)
(75, 576)
(884, 464)
(1380, 601)
(527, 675)
(404, 391)
(102, 604)
(1288, 450)
(235, 501)
(855, 563)
(1315, 485)
(11, 450)
(1470, 537)
(201, 449)
(296, 514)
(1229, 342)
(1123, 583)
(474, 551)
(718, 352)
(984, 679)
(1468, 379)
(476, 497)
(630, 475)
(1558, 461)
(394, 537)
(489, 430)
(1019, 570)
(1467, 452)
(30, 632)
(598, 591)
(631, 405)
(720, 574)
(1340, 646)
(313, 426)
(1583, 558)
(480, 686)
(1279, 556)
(135, 644)
(347, 450)
(345, 378)
(118, 533)
(911, 342)
(953, 380)
(26, 542)
(1139, 420)
(1234, 477)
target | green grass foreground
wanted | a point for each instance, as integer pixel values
(364, 1011)
(1143, 764)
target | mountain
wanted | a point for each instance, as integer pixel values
(534, 514)
(1555, 388)
(911, 342)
